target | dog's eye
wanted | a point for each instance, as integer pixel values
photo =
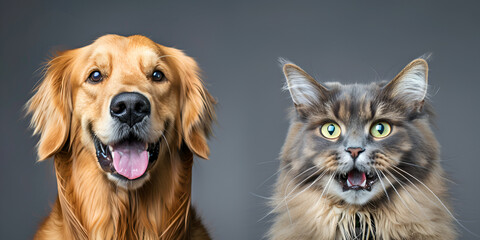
(95, 77)
(158, 76)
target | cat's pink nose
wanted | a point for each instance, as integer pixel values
(355, 151)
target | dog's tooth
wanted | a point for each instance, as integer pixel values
(101, 147)
(349, 184)
(113, 154)
(111, 148)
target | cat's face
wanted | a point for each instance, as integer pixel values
(358, 143)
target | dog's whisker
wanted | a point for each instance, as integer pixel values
(166, 142)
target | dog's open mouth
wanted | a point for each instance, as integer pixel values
(356, 180)
(128, 159)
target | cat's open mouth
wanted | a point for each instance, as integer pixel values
(128, 159)
(356, 180)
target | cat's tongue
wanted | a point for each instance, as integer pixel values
(130, 159)
(356, 178)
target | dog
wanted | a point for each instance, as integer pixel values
(122, 118)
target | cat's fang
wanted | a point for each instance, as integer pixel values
(364, 183)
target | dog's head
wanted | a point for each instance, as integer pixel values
(121, 99)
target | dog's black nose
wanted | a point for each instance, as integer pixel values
(129, 107)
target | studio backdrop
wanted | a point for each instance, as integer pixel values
(237, 44)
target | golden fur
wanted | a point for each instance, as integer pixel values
(65, 106)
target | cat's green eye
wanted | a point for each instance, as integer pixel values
(330, 130)
(380, 129)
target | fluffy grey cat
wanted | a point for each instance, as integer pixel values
(361, 162)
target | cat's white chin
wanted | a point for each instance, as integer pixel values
(356, 197)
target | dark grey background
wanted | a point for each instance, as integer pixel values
(237, 44)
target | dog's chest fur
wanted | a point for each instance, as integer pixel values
(114, 213)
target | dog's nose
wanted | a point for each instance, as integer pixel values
(355, 151)
(129, 107)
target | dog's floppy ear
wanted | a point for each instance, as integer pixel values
(197, 106)
(51, 106)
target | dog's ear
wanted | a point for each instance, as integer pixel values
(51, 106)
(197, 106)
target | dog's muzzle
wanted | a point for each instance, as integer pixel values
(131, 156)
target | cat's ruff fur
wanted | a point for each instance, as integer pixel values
(309, 217)
(413, 210)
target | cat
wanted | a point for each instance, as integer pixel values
(360, 161)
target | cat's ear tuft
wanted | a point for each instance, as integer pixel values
(410, 85)
(304, 90)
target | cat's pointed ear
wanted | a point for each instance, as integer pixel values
(410, 85)
(304, 90)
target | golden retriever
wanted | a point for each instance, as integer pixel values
(122, 119)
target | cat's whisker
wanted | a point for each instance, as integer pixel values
(267, 162)
(277, 172)
(288, 210)
(440, 201)
(285, 197)
(297, 176)
(329, 180)
(305, 179)
(286, 175)
(414, 165)
(404, 188)
(328, 185)
(305, 189)
(323, 192)
(395, 189)
(280, 202)
(414, 185)
(286, 202)
(283, 201)
(269, 213)
(383, 185)
(263, 197)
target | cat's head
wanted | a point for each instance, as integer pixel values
(358, 143)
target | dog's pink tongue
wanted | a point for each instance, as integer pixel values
(356, 178)
(130, 159)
